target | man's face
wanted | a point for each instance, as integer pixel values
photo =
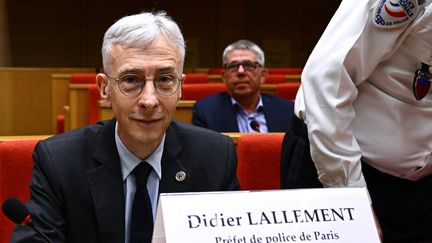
(243, 80)
(143, 119)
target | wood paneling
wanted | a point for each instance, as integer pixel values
(51, 33)
(26, 99)
(4, 36)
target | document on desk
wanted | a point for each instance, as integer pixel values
(334, 215)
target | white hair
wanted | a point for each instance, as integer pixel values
(247, 45)
(139, 30)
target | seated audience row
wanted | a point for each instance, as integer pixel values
(203, 78)
(273, 70)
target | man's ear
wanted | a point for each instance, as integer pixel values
(104, 89)
(264, 73)
(224, 79)
(183, 76)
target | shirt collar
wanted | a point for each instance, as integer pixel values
(128, 160)
(259, 106)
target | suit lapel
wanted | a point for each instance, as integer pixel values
(106, 186)
(269, 114)
(176, 176)
(229, 115)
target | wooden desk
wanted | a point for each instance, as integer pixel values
(215, 78)
(78, 106)
(59, 94)
(23, 137)
(105, 113)
(293, 77)
(268, 88)
(184, 110)
(289, 77)
(26, 99)
(233, 135)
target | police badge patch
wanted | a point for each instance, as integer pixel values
(394, 13)
(422, 82)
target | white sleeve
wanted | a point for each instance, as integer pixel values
(347, 53)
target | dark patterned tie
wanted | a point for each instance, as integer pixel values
(142, 217)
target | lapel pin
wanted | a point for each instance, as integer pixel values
(422, 82)
(180, 176)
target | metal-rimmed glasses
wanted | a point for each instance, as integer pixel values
(132, 85)
(247, 66)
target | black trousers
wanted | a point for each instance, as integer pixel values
(403, 207)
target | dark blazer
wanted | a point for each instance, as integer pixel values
(216, 112)
(77, 191)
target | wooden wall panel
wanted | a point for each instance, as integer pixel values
(51, 33)
(26, 105)
(4, 35)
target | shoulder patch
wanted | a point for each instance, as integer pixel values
(394, 13)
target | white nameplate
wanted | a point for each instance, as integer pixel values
(333, 215)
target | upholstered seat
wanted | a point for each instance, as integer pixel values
(259, 160)
(199, 91)
(15, 174)
(287, 90)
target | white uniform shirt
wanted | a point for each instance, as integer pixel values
(356, 95)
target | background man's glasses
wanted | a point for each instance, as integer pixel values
(247, 66)
(131, 85)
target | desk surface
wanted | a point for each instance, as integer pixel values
(234, 135)
(23, 137)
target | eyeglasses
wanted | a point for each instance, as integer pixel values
(131, 85)
(247, 66)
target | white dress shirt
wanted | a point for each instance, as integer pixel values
(128, 162)
(244, 118)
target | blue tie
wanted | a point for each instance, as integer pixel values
(142, 217)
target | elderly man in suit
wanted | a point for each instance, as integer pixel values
(244, 108)
(86, 184)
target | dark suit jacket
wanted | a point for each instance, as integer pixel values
(77, 191)
(217, 113)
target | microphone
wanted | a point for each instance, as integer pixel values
(19, 214)
(255, 125)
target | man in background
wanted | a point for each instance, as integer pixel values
(243, 108)
(101, 183)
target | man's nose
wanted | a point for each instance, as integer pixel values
(240, 68)
(148, 96)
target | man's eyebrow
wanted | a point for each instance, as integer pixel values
(166, 69)
(240, 61)
(131, 71)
